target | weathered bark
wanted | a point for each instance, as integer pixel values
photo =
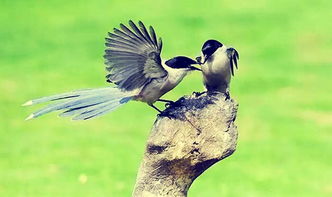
(186, 139)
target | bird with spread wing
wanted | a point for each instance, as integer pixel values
(134, 65)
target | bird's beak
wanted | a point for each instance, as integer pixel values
(199, 60)
(194, 68)
(205, 58)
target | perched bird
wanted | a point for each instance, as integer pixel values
(217, 63)
(134, 65)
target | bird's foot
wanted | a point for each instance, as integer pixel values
(197, 94)
(227, 96)
(169, 104)
(177, 103)
(156, 108)
(168, 115)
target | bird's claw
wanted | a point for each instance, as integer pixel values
(227, 96)
(169, 104)
(197, 94)
(168, 115)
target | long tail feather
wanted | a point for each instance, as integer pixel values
(78, 110)
(97, 112)
(67, 95)
(85, 104)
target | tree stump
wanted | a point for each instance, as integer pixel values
(187, 138)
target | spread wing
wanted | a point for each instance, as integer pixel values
(132, 56)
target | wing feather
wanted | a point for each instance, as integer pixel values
(160, 44)
(118, 44)
(131, 34)
(137, 31)
(145, 32)
(119, 38)
(132, 56)
(153, 35)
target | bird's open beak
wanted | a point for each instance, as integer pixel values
(205, 59)
(194, 68)
(198, 60)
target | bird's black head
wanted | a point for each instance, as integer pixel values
(181, 62)
(209, 47)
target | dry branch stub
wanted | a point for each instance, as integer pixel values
(186, 139)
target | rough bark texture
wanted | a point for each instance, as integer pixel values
(186, 139)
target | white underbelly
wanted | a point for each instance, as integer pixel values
(158, 87)
(217, 73)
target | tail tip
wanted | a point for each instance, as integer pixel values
(27, 103)
(31, 116)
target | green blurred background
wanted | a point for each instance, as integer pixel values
(283, 87)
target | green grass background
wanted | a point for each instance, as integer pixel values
(283, 87)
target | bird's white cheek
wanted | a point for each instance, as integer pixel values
(219, 64)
